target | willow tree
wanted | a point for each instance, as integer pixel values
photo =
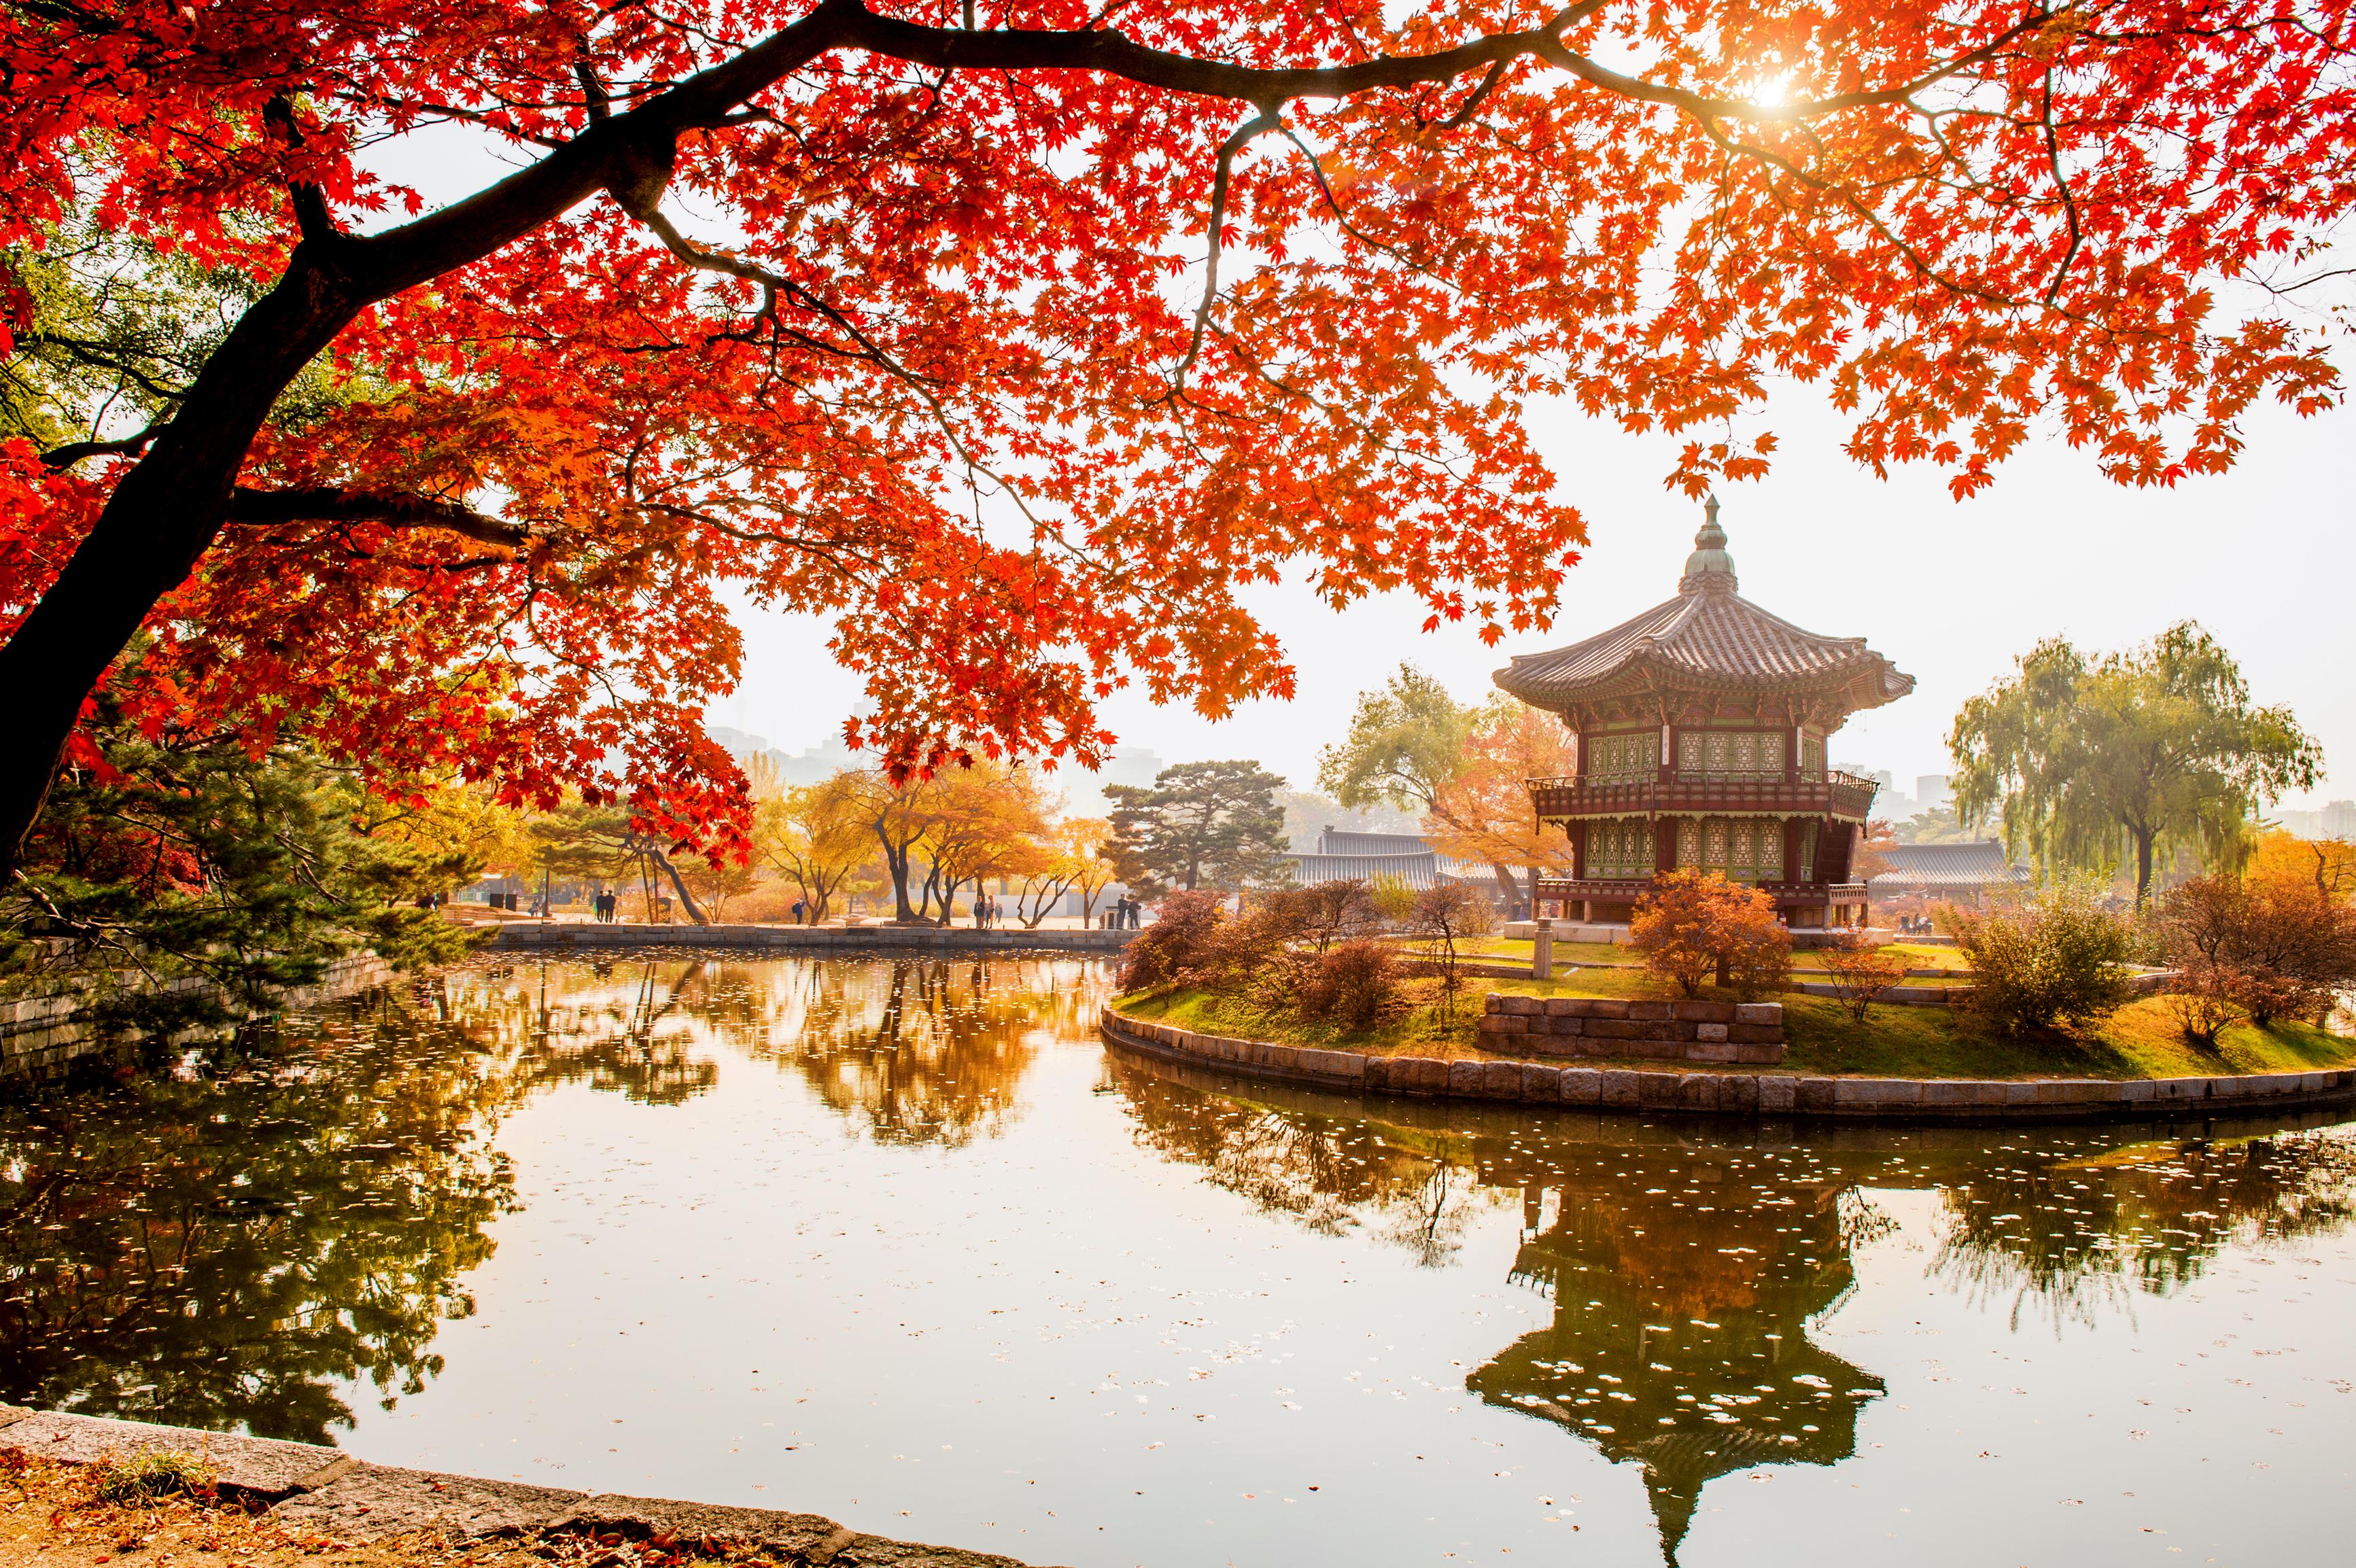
(2095, 762)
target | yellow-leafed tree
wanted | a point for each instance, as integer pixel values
(819, 836)
(1482, 812)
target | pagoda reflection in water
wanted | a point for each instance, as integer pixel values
(1683, 1298)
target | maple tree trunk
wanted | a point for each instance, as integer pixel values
(1513, 889)
(172, 503)
(154, 530)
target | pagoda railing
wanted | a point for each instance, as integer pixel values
(1628, 888)
(1830, 792)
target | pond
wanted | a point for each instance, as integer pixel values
(905, 1243)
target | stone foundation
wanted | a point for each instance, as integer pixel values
(1747, 1034)
(1735, 1091)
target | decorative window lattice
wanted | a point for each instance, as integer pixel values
(1808, 851)
(1746, 849)
(1620, 848)
(1627, 756)
(1731, 753)
(1812, 754)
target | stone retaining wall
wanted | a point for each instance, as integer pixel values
(42, 1035)
(562, 935)
(1735, 1093)
(1722, 1033)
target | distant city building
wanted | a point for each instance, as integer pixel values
(1702, 727)
(2336, 820)
(794, 768)
(1083, 792)
(1932, 791)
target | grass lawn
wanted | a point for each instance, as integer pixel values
(2140, 1040)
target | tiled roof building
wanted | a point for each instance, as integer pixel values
(1701, 727)
(1968, 871)
(1343, 856)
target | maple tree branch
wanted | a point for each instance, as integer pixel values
(2062, 184)
(334, 502)
(1260, 124)
(312, 218)
(75, 452)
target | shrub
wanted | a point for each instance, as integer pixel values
(2059, 959)
(1859, 970)
(1338, 911)
(1693, 925)
(2269, 947)
(1175, 945)
(1242, 949)
(1355, 984)
(1448, 913)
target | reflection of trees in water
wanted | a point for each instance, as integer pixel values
(918, 1050)
(1685, 1282)
(2070, 1236)
(226, 1247)
(1688, 1274)
(1325, 1172)
(622, 1028)
(222, 1249)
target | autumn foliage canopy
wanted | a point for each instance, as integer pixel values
(1021, 337)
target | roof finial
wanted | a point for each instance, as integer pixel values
(1710, 566)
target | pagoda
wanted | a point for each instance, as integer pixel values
(1701, 729)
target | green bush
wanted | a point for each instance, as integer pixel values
(158, 1472)
(2059, 960)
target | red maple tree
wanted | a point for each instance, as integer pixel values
(1018, 337)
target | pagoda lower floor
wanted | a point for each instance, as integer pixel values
(1803, 860)
(1611, 900)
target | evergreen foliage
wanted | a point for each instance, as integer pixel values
(1202, 824)
(162, 861)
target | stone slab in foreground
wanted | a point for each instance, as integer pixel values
(334, 1494)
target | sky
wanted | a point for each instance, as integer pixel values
(2264, 557)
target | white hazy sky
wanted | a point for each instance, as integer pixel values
(1950, 591)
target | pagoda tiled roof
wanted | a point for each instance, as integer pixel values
(1708, 637)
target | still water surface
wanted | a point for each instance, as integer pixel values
(904, 1244)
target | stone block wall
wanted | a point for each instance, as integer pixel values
(1735, 1093)
(1725, 1033)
